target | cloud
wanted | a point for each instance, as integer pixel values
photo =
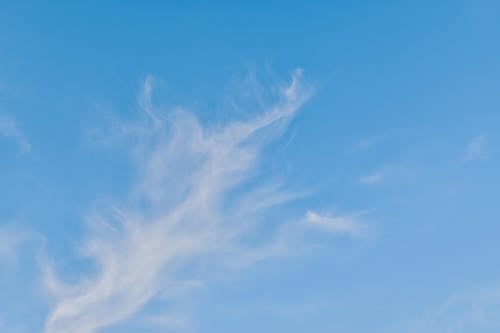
(372, 178)
(145, 99)
(188, 215)
(475, 149)
(348, 224)
(389, 172)
(475, 311)
(11, 239)
(10, 130)
(365, 144)
(168, 322)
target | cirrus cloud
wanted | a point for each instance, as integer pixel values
(190, 207)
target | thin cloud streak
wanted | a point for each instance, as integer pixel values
(145, 99)
(188, 207)
(372, 179)
(11, 239)
(348, 224)
(475, 311)
(475, 149)
(10, 130)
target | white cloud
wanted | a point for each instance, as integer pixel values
(371, 142)
(168, 322)
(189, 210)
(10, 130)
(10, 240)
(145, 99)
(348, 224)
(385, 173)
(475, 311)
(372, 178)
(365, 144)
(475, 149)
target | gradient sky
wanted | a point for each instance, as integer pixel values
(170, 166)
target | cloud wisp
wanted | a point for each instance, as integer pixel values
(190, 208)
(372, 178)
(475, 149)
(348, 224)
(10, 130)
(474, 311)
(11, 239)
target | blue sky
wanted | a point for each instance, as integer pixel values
(294, 167)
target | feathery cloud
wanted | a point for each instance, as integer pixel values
(475, 148)
(10, 130)
(475, 311)
(348, 224)
(372, 178)
(190, 209)
(11, 239)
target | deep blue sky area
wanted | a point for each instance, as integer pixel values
(142, 190)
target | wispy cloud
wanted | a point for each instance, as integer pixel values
(189, 209)
(376, 141)
(365, 144)
(372, 178)
(145, 99)
(11, 239)
(475, 149)
(388, 172)
(168, 322)
(475, 311)
(347, 224)
(10, 130)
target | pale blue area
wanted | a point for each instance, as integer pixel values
(402, 87)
